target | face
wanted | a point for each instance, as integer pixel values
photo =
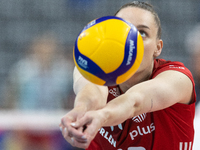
(144, 21)
(195, 65)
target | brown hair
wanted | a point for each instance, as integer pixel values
(148, 7)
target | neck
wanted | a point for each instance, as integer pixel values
(138, 77)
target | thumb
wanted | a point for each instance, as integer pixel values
(75, 124)
(84, 121)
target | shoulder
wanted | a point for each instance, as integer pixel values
(175, 73)
(161, 65)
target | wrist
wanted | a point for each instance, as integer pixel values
(80, 107)
(104, 117)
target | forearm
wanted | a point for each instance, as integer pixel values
(120, 109)
(165, 90)
(91, 97)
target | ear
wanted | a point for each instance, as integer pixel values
(158, 50)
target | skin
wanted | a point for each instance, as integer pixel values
(91, 111)
(144, 22)
(195, 63)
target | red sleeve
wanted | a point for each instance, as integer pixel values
(159, 67)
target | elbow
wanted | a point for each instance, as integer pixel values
(75, 88)
(79, 84)
(136, 102)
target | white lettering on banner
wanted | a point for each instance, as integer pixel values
(142, 131)
(107, 136)
(131, 47)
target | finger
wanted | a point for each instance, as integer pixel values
(83, 145)
(63, 129)
(81, 139)
(76, 133)
(65, 123)
(79, 135)
(85, 120)
(66, 136)
(78, 142)
(79, 129)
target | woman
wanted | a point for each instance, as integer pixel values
(154, 109)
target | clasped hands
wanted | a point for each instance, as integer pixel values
(79, 128)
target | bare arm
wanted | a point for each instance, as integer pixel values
(166, 89)
(89, 95)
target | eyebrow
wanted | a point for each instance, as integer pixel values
(143, 26)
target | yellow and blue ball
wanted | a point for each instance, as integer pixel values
(108, 51)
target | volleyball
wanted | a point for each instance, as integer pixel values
(108, 51)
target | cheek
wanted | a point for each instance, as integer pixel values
(148, 53)
(146, 61)
(196, 62)
(148, 57)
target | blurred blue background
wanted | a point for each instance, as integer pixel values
(36, 65)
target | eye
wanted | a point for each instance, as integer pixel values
(143, 33)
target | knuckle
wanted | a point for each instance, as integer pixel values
(66, 137)
(63, 121)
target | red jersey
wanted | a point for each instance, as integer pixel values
(168, 129)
